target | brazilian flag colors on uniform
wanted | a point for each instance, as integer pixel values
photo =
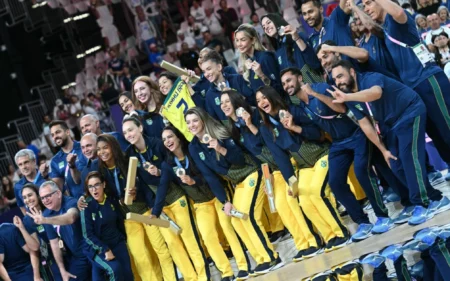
(177, 102)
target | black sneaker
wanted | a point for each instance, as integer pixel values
(337, 243)
(329, 246)
(242, 275)
(276, 236)
(228, 278)
(311, 252)
(278, 263)
(252, 273)
(299, 256)
(263, 268)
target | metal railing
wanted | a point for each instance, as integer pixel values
(5, 160)
(36, 111)
(9, 144)
(16, 10)
(48, 95)
(25, 128)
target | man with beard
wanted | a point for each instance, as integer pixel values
(69, 158)
(26, 161)
(398, 118)
(349, 146)
(415, 65)
(329, 53)
(334, 28)
(91, 124)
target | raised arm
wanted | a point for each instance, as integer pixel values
(367, 95)
(366, 20)
(393, 9)
(359, 54)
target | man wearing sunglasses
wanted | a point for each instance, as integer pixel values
(63, 228)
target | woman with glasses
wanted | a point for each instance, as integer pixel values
(152, 122)
(46, 264)
(104, 231)
(170, 198)
(260, 67)
(113, 165)
(216, 154)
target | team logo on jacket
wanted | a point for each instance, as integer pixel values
(40, 229)
(272, 76)
(112, 207)
(203, 93)
(358, 106)
(217, 100)
(183, 203)
(275, 130)
(61, 165)
(323, 163)
(241, 139)
(252, 182)
(279, 60)
(149, 122)
(202, 156)
(155, 158)
(93, 217)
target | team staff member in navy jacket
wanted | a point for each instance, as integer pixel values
(62, 224)
(349, 145)
(104, 232)
(222, 156)
(67, 164)
(291, 48)
(415, 65)
(198, 192)
(169, 197)
(212, 68)
(399, 116)
(304, 143)
(259, 66)
(153, 123)
(246, 129)
(46, 263)
(15, 253)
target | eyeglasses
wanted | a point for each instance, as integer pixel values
(48, 195)
(95, 186)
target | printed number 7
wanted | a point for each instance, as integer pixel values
(181, 103)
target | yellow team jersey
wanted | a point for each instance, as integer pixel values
(177, 102)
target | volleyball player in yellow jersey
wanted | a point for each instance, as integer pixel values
(310, 153)
(246, 129)
(180, 168)
(216, 154)
(170, 198)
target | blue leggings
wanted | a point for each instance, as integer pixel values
(118, 269)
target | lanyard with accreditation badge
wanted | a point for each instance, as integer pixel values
(420, 50)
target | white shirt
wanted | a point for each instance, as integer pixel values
(436, 32)
(198, 14)
(213, 25)
(189, 40)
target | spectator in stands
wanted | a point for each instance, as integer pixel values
(197, 11)
(168, 33)
(229, 19)
(182, 38)
(188, 58)
(7, 192)
(145, 30)
(434, 22)
(87, 107)
(105, 84)
(444, 15)
(126, 79)
(212, 22)
(254, 21)
(251, 5)
(155, 58)
(61, 111)
(213, 43)
(21, 145)
(425, 7)
(13, 174)
(442, 51)
(355, 32)
(46, 119)
(96, 101)
(421, 22)
(115, 64)
(193, 30)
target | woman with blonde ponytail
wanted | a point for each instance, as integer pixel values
(260, 66)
